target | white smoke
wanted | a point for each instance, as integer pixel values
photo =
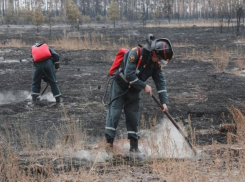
(11, 96)
(3, 71)
(86, 155)
(10, 61)
(8, 97)
(99, 156)
(48, 97)
(162, 141)
(165, 141)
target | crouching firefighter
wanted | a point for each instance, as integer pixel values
(137, 65)
(46, 62)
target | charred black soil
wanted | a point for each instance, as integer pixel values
(194, 86)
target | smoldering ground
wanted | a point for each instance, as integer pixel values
(194, 86)
(14, 96)
(20, 96)
(161, 142)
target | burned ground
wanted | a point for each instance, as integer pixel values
(194, 86)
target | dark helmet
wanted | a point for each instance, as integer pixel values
(162, 48)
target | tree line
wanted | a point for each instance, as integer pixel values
(21, 11)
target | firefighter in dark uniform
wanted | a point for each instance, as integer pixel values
(46, 69)
(153, 53)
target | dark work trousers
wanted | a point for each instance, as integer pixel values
(130, 102)
(45, 68)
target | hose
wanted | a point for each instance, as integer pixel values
(103, 102)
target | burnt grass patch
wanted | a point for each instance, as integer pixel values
(194, 87)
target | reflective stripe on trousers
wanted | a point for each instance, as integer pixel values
(130, 103)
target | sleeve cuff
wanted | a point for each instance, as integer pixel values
(163, 100)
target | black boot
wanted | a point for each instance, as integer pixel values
(110, 142)
(134, 152)
(109, 145)
(33, 101)
(58, 100)
(34, 98)
(134, 146)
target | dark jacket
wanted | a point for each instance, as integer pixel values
(146, 69)
(55, 58)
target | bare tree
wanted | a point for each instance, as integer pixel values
(221, 13)
(142, 12)
(190, 6)
(168, 9)
(1, 7)
(239, 14)
(49, 15)
(62, 7)
(155, 13)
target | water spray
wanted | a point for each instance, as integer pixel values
(175, 124)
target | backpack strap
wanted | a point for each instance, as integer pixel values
(140, 58)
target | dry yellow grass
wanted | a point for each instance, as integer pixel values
(220, 60)
(74, 41)
(19, 31)
(14, 43)
(218, 162)
(183, 45)
(238, 58)
(175, 24)
(218, 57)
